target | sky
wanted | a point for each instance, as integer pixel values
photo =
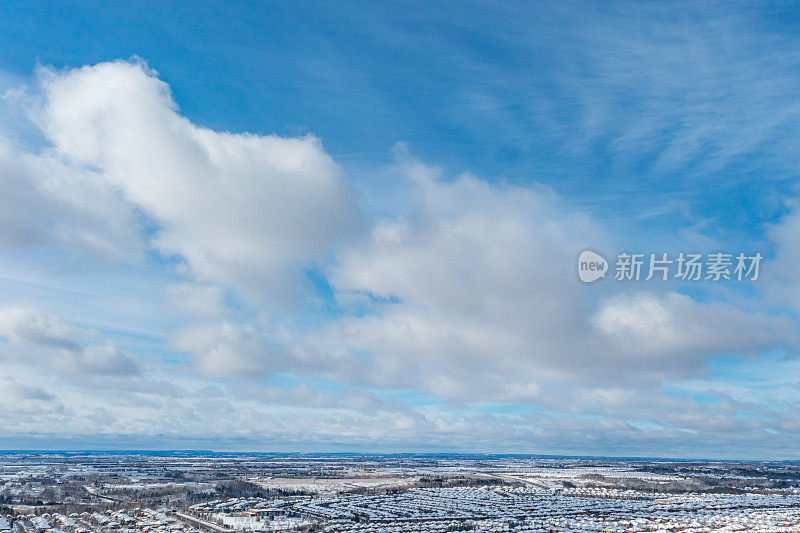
(355, 226)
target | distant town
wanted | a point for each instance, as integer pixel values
(104, 492)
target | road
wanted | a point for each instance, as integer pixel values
(202, 523)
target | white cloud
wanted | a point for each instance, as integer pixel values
(247, 211)
(36, 338)
(14, 391)
(470, 294)
(47, 200)
(227, 349)
(25, 399)
(478, 298)
(783, 285)
(673, 327)
(26, 325)
(197, 300)
(482, 280)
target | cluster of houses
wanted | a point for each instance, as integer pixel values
(510, 508)
(338, 494)
(135, 520)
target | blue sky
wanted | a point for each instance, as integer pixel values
(354, 226)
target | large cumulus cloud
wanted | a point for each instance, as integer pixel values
(249, 211)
